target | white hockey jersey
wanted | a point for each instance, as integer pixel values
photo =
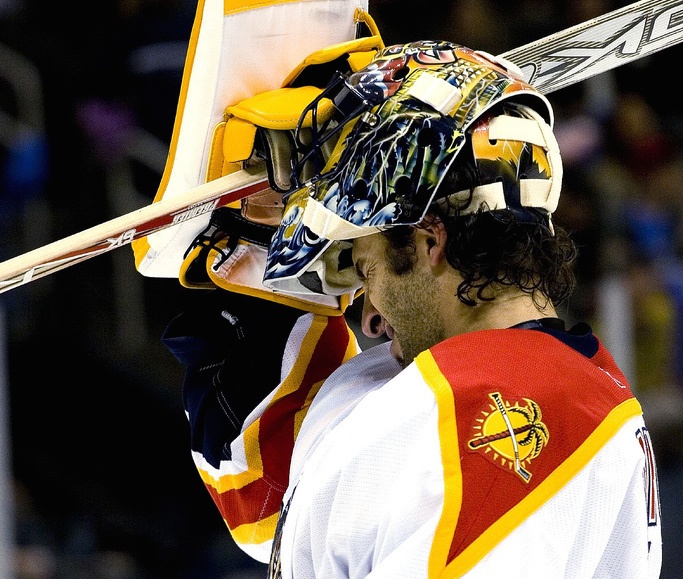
(517, 452)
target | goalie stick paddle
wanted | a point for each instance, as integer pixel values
(549, 64)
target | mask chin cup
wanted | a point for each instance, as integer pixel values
(332, 274)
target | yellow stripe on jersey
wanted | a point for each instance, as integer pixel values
(351, 350)
(255, 533)
(558, 479)
(450, 458)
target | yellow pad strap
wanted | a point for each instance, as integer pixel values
(281, 108)
(362, 50)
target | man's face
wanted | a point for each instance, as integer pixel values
(407, 303)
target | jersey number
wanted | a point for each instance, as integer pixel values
(650, 476)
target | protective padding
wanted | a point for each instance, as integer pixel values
(238, 139)
(242, 272)
(237, 49)
(358, 53)
(281, 108)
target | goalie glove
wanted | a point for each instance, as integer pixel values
(232, 354)
(232, 250)
(231, 254)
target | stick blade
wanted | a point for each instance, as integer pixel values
(600, 44)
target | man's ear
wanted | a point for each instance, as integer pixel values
(433, 235)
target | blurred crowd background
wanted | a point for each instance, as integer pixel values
(96, 478)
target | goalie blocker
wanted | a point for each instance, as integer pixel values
(242, 91)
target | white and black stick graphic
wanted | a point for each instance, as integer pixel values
(599, 44)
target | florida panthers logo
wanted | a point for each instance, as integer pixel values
(510, 435)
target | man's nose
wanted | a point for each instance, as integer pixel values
(372, 322)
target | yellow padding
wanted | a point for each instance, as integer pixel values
(193, 273)
(369, 45)
(359, 60)
(218, 165)
(281, 108)
(214, 167)
(238, 140)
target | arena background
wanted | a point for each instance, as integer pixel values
(97, 480)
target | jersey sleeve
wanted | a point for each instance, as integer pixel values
(252, 368)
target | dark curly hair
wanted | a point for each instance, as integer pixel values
(504, 247)
(517, 247)
(495, 247)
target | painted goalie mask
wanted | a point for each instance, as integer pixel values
(399, 124)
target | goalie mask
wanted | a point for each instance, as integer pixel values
(399, 124)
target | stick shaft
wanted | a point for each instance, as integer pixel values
(134, 225)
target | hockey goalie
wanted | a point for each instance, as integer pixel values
(482, 435)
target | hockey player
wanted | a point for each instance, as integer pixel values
(486, 438)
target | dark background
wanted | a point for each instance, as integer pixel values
(104, 482)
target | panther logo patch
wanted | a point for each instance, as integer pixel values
(510, 435)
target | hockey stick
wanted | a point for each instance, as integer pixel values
(551, 63)
(123, 230)
(599, 44)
